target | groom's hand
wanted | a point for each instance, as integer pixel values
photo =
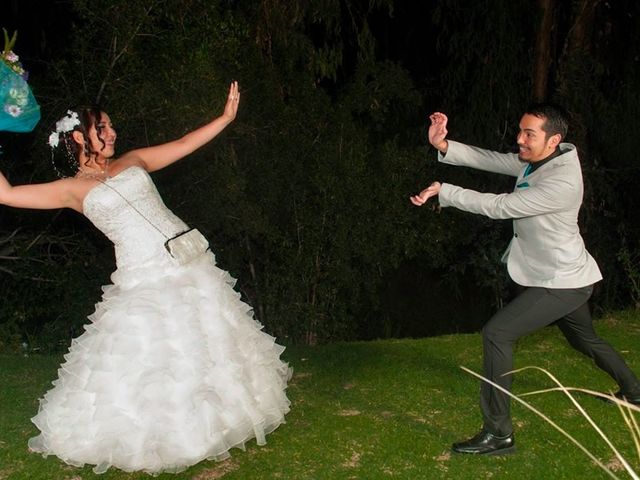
(431, 191)
(438, 131)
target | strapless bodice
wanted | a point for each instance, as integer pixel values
(128, 209)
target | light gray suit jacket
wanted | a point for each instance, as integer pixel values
(546, 249)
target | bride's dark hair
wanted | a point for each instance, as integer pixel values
(66, 156)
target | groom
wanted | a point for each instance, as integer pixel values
(546, 255)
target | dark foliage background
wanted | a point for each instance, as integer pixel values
(305, 196)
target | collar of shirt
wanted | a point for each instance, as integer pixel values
(538, 164)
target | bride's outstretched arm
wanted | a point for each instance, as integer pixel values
(159, 156)
(43, 196)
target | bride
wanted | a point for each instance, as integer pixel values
(172, 368)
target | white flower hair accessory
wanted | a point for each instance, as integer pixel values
(64, 125)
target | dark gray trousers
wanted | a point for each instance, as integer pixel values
(533, 309)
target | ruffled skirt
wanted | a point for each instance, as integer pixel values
(173, 369)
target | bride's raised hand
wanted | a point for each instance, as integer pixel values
(233, 99)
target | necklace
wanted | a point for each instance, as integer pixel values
(101, 174)
(98, 175)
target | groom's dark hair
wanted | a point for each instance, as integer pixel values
(554, 116)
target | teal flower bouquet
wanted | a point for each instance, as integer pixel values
(19, 111)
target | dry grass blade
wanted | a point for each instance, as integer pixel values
(632, 425)
(626, 409)
(550, 422)
(584, 413)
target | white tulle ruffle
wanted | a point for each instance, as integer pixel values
(172, 370)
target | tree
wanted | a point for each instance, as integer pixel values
(544, 55)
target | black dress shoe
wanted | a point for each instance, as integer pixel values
(486, 443)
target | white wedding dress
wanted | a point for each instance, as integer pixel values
(172, 368)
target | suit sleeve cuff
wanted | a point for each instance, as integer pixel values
(452, 147)
(446, 191)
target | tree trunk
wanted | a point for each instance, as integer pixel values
(543, 55)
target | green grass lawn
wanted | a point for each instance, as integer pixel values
(378, 410)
